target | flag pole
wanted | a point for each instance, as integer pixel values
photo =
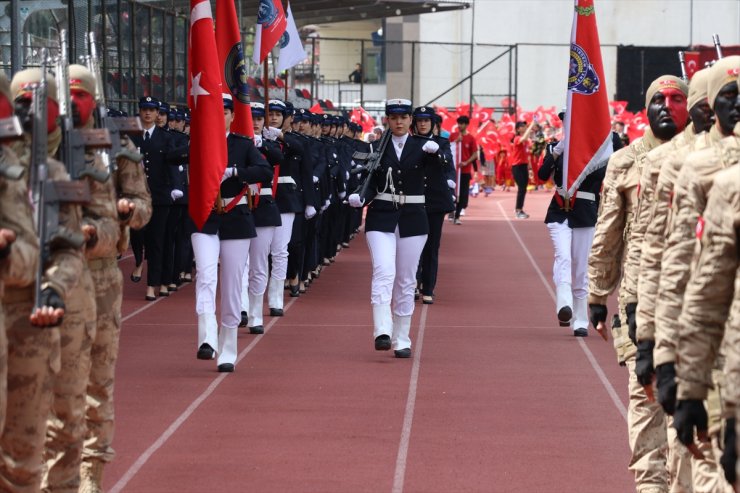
(266, 82)
(287, 78)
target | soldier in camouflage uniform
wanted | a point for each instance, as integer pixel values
(692, 191)
(121, 203)
(666, 103)
(33, 353)
(11, 187)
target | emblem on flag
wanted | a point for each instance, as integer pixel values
(235, 73)
(267, 13)
(582, 77)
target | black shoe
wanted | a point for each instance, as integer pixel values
(417, 294)
(205, 351)
(564, 316)
(382, 343)
(294, 291)
(187, 279)
(243, 323)
(225, 368)
(135, 278)
(172, 288)
(150, 298)
(257, 329)
(345, 245)
(402, 353)
(276, 312)
(427, 299)
(164, 293)
(580, 333)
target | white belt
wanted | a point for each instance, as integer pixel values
(286, 179)
(401, 199)
(227, 201)
(266, 191)
(586, 195)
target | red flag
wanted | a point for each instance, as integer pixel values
(271, 24)
(207, 130)
(692, 59)
(359, 115)
(588, 139)
(234, 74)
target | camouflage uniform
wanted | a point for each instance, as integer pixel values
(20, 264)
(710, 294)
(33, 353)
(129, 181)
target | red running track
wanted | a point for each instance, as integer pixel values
(497, 398)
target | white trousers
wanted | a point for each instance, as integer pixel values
(570, 269)
(395, 261)
(208, 249)
(279, 254)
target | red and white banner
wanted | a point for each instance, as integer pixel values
(207, 129)
(271, 24)
(359, 115)
(588, 138)
(234, 70)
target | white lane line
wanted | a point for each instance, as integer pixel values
(125, 257)
(167, 434)
(589, 355)
(408, 417)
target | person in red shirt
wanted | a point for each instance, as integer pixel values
(519, 160)
(466, 153)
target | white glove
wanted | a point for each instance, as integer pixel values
(254, 188)
(258, 141)
(309, 212)
(342, 195)
(271, 133)
(228, 173)
(355, 201)
(328, 202)
(431, 147)
(180, 168)
(451, 183)
(315, 179)
(346, 175)
(176, 194)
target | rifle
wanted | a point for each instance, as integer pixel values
(10, 128)
(372, 163)
(47, 195)
(118, 126)
(682, 62)
(75, 141)
(717, 46)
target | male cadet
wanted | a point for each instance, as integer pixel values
(155, 144)
(33, 342)
(13, 221)
(647, 427)
(693, 187)
(656, 187)
(304, 225)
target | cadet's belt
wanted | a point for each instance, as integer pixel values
(586, 195)
(400, 199)
(18, 295)
(266, 191)
(286, 179)
(102, 263)
(227, 200)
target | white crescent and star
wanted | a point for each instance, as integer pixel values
(202, 10)
(197, 90)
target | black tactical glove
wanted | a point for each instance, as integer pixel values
(49, 297)
(729, 454)
(690, 414)
(630, 310)
(597, 313)
(665, 376)
(644, 365)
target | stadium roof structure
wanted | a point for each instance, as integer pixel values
(326, 11)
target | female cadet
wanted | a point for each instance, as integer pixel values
(266, 219)
(226, 236)
(439, 199)
(396, 226)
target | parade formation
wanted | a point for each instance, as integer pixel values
(655, 221)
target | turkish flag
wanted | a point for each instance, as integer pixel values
(208, 154)
(588, 138)
(234, 72)
(692, 59)
(271, 24)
